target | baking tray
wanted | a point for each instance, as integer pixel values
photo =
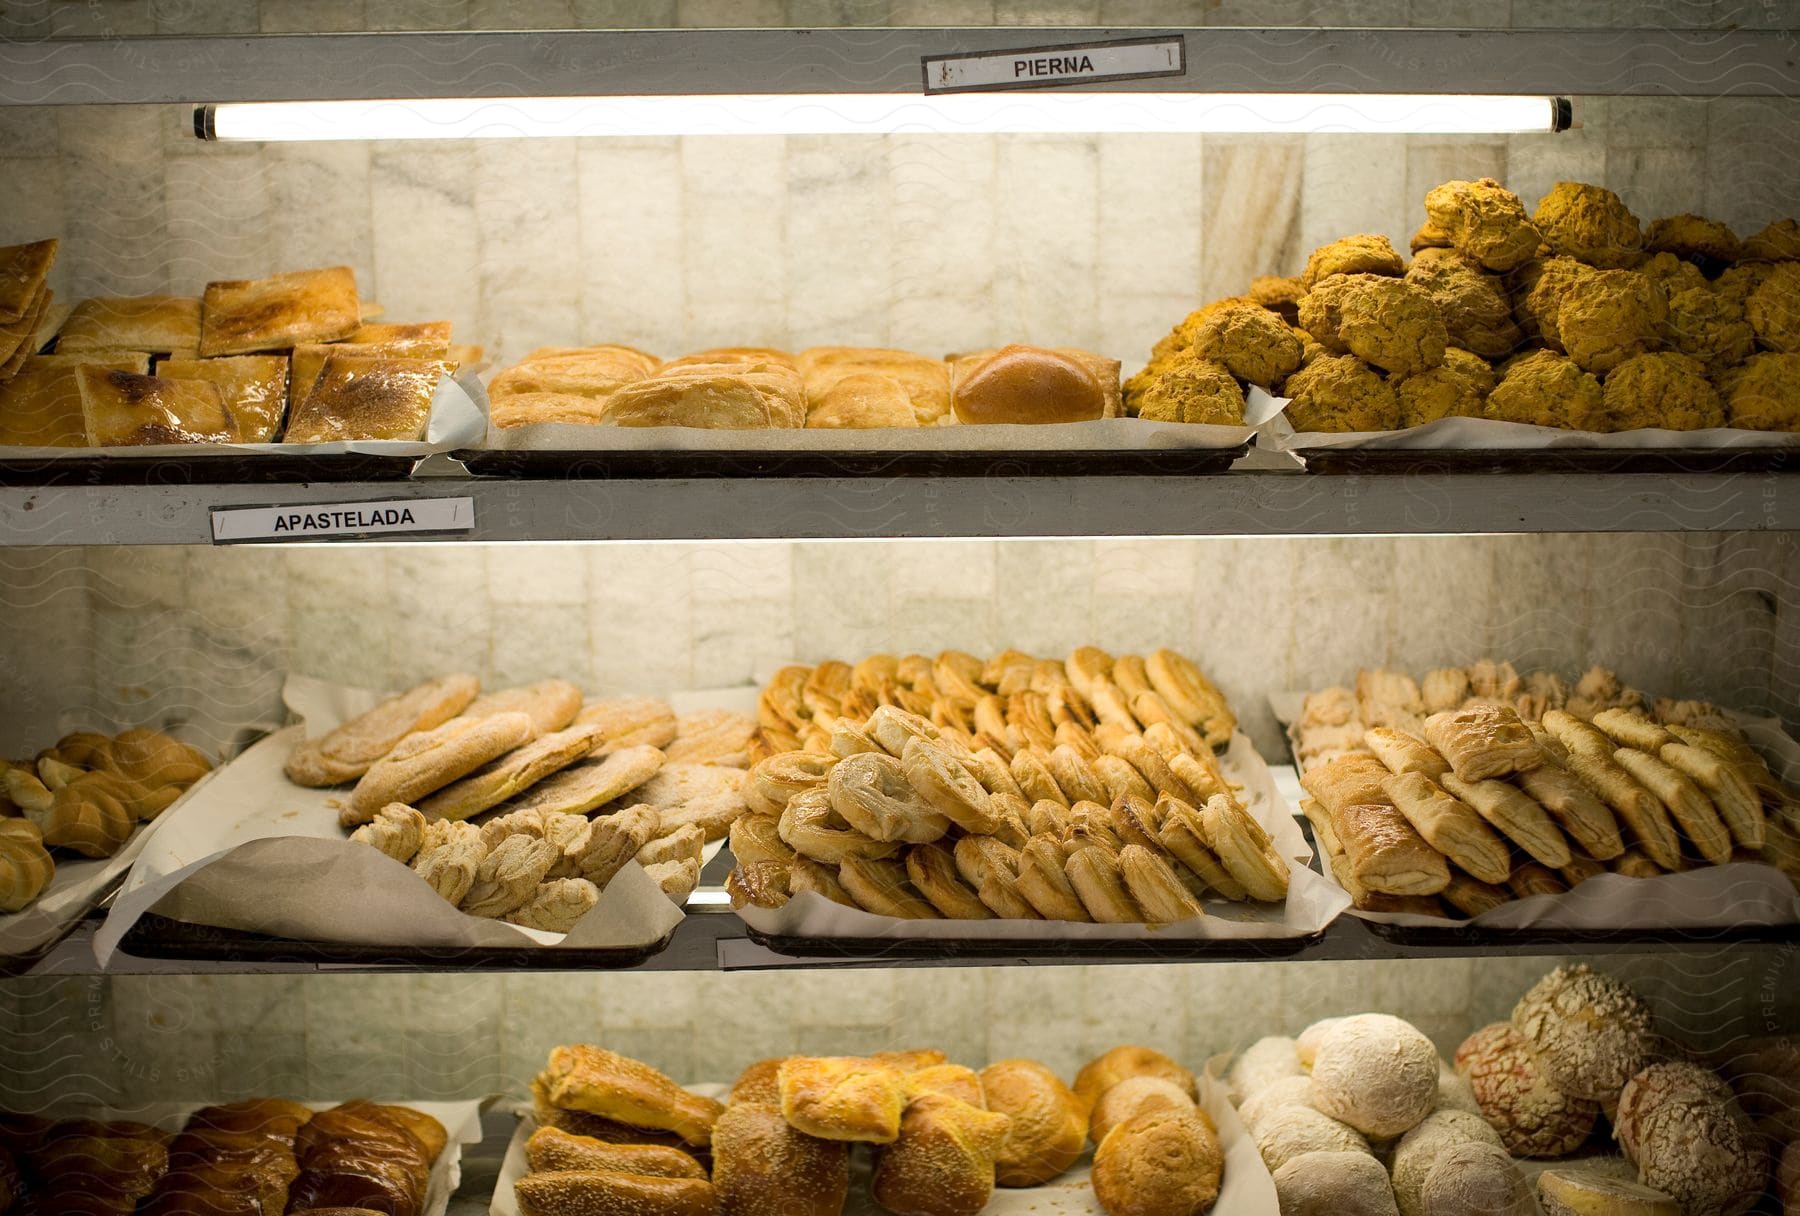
(1039, 950)
(98, 470)
(1349, 460)
(160, 937)
(527, 464)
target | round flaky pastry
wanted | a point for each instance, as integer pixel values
(871, 792)
(813, 828)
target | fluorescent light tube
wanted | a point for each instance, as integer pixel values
(883, 113)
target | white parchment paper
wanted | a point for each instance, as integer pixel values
(461, 1119)
(458, 418)
(1712, 897)
(1245, 1190)
(261, 854)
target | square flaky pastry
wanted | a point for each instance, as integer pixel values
(253, 388)
(309, 359)
(278, 313)
(126, 410)
(23, 269)
(41, 406)
(18, 339)
(165, 324)
(367, 397)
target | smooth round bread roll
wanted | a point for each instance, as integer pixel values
(1132, 1097)
(1049, 1123)
(1376, 1073)
(1473, 1179)
(1590, 1032)
(1261, 1064)
(1164, 1163)
(1028, 384)
(1293, 1130)
(1682, 1128)
(1334, 1184)
(1121, 1063)
(1420, 1148)
(1289, 1091)
(1533, 1117)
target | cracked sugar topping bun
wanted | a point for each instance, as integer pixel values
(1590, 1032)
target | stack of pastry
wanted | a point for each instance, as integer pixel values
(84, 796)
(1467, 808)
(291, 358)
(239, 1159)
(1035, 790)
(25, 299)
(1573, 315)
(614, 1134)
(837, 387)
(525, 802)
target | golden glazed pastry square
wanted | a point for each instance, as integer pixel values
(309, 359)
(167, 324)
(41, 406)
(124, 409)
(280, 312)
(18, 339)
(362, 397)
(253, 387)
(23, 269)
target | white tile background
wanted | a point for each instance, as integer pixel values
(933, 243)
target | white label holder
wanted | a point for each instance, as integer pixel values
(1052, 67)
(342, 520)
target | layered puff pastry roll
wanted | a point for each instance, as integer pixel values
(849, 386)
(367, 397)
(730, 393)
(23, 269)
(1034, 384)
(591, 371)
(41, 406)
(254, 389)
(1482, 741)
(168, 325)
(121, 409)
(240, 317)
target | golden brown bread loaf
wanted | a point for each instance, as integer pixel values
(423, 763)
(942, 1163)
(1049, 1122)
(362, 1154)
(604, 1083)
(603, 1193)
(1033, 384)
(1121, 1063)
(347, 752)
(551, 1148)
(842, 1098)
(1164, 1163)
(25, 866)
(762, 1166)
(734, 390)
(866, 386)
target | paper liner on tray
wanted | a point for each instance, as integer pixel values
(462, 1120)
(1737, 895)
(1245, 1190)
(458, 419)
(1488, 434)
(255, 852)
(1312, 902)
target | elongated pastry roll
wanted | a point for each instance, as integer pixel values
(1629, 729)
(1404, 753)
(1732, 796)
(1692, 809)
(844, 383)
(1643, 814)
(726, 394)
(604, 1083)
(1515, 816)
(1482, 741)
(1582, 814)
(1450, 826)
(1385, 853)
(1353, 779)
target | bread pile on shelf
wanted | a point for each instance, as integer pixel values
(837, 387)
(524, 803)
(614, 1134)
(1018, 788)
(290, 358)
(1572, 316)
(263, 1155)
(1476, 786)
(1360, 1115)
(85, 796)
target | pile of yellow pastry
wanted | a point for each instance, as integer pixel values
(1017, 788)
(287, 359)
(1573, 316)
(741, 388)
(525, 802)
(85, 795)
(1480, 787)
(615, 1135)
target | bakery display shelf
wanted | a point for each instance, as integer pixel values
(110, 470)
(1248, 502)
(653, 466)
(1495, 462)
(285, 67)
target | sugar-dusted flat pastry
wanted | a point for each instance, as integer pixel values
(253, 387)
(41, 406)
(725, 395)
(309, 359)
(523, 409)
(23, 269)
(363, 397)
(924, 381)
(126, 410)
(17, 342)
(166, 324)
(425, 337)
(594, 371)
(244, 316)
